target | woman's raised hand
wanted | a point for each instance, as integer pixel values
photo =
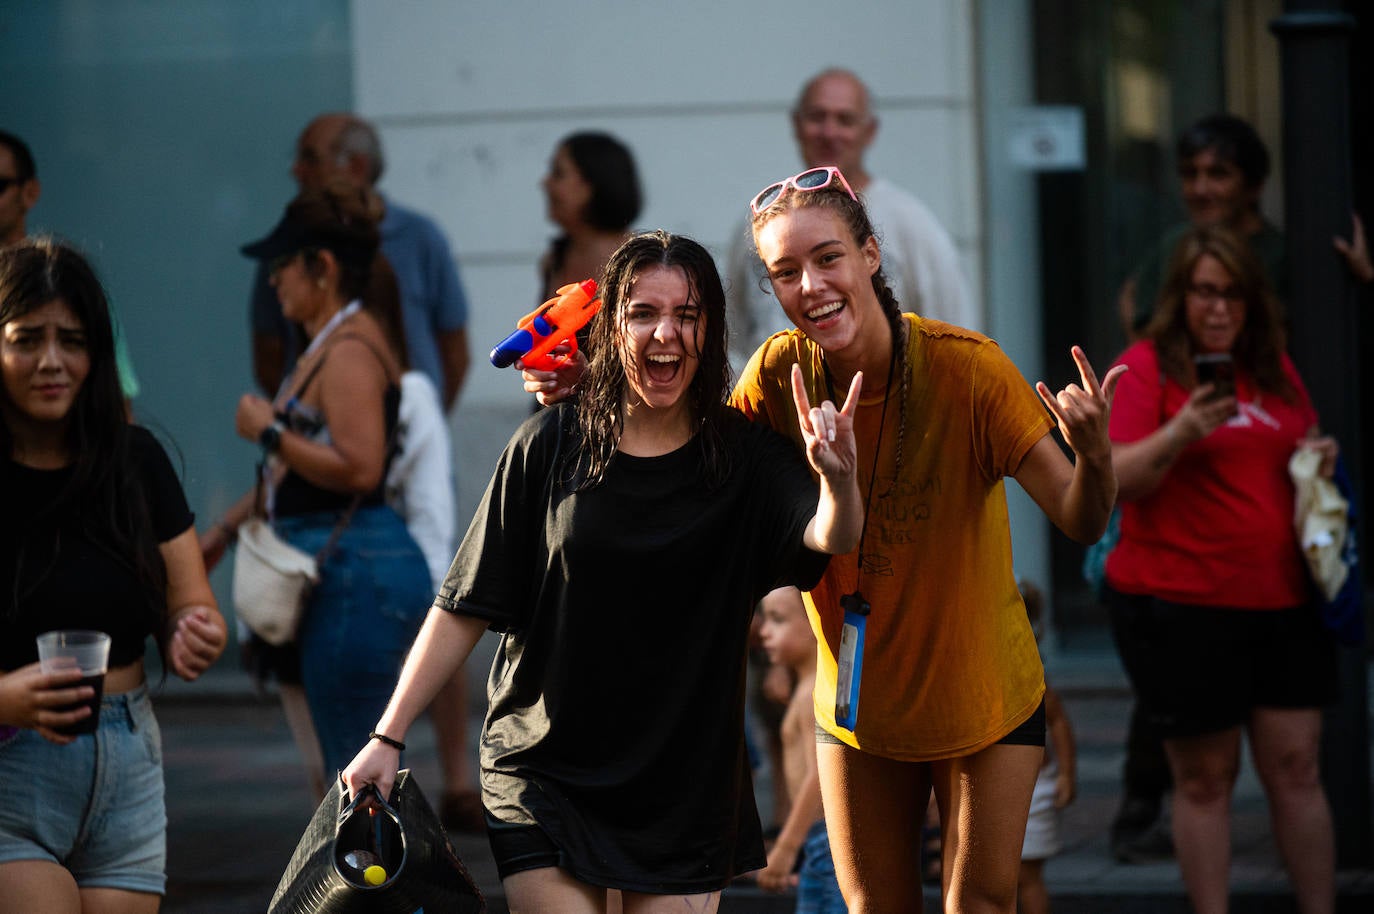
(550, 387)
(827, 432)
(252, 416)
(1082, 411)
(1202, 413)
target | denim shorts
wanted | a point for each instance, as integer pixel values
(818, 891)
(360, 620)
(96, 805)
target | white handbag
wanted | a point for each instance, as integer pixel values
(272, 580)
(1321, 519)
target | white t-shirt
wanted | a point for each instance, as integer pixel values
(419, 485)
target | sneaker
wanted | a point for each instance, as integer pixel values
(1150, 845)
(1136, 815)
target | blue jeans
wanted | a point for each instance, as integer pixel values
(359, 622)
(817, 890)
(95, 806)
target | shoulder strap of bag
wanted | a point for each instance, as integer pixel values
(347, 517)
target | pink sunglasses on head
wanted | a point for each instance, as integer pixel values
(811, 179)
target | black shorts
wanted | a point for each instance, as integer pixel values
(517, 848)
(1030, 732)
(1202, 669)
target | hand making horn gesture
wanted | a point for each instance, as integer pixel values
(827, 432)
(1082, 412)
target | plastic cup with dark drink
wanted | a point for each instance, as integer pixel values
(87, 651)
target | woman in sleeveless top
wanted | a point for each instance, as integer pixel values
(325, 441)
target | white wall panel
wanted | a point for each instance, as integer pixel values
(427, 58)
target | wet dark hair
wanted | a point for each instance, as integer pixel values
(104, 479)
(1233, 139)
(1259, 346)
(855, 217)
(605, 385)
(607, 165)
(24, 167)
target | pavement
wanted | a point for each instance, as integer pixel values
(238, 801)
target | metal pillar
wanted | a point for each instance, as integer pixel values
(1313, 39)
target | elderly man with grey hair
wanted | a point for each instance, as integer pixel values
(344, 147)
(834, 124)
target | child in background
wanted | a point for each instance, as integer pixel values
(1054, 788)
(790, 644)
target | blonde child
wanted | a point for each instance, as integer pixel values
(790, 644)
(1054, 787)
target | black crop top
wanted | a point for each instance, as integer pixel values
(68, 580)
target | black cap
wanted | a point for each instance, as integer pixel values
(290, 235)
(287, 237)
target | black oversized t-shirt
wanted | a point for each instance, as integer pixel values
(56, 573)
(616, 718)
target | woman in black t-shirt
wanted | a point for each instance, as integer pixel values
(620, 548)
(96, 535)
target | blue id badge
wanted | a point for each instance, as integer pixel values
(851, 660)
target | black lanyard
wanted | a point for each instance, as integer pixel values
(877, 448)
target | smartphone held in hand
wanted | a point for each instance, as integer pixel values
(1217, 369)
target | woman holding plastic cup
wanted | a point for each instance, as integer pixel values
(96, 536)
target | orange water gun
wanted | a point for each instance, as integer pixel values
(548, 326)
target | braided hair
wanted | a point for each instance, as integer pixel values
(855, 217)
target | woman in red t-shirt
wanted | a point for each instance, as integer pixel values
(1207, 586)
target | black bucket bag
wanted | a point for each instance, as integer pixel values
(371, 856)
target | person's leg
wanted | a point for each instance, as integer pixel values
(1145, 778)
(874, 808)
(1031, 895)
(461, 806)
(361, 619)
(302, 728)
(984, 800)
(38, 886)
(549, 889)
(817, 890)
(1135, 835)
(1204, 769)
(641, 903)
(117, 901)
(1285, 746)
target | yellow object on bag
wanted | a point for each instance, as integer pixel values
(1321, 519)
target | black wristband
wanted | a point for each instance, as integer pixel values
(383, 738)
(270, 439)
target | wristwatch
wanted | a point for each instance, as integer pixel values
(270, 439)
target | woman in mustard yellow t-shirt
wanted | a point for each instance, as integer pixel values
(952, 685)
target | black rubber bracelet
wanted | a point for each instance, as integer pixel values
(393, 743)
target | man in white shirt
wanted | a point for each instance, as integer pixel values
(834, 125)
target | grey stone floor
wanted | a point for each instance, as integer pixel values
(237, 802)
